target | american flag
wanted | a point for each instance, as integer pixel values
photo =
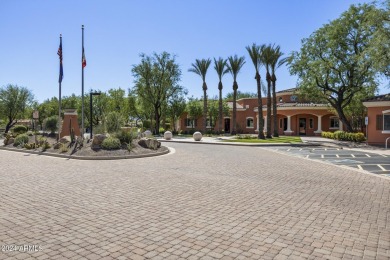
(59, 52)
(83, 60)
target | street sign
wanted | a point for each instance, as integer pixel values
(36, 114)
(366, 120)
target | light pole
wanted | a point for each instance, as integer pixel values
(92, 93)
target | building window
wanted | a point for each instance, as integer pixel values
(386, 122)
(334, 122)
(311, 123)
(281, 123)
(249, 122)
(190, 123)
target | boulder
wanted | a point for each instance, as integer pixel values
(149, 143)
(97, 141)
(9, 141)
(147, 133)
(57, 145)
(197, 136)
(168, 135)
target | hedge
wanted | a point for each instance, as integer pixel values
(344, 136)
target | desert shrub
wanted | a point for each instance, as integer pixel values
(31, 146)
(99, 129)
(45, 146)
(114, 122)
(125, 137)
(21, 140)
(129, 147)
(51, 124)
(63, 148)
(30, 133)
(19, 129)
(111, 143)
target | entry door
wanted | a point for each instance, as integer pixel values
(227, 125)
(302, 126)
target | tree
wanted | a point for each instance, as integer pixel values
(240, 94)
(194, 110)
(276, 62)
(336, 62)
(214, 111)
(13, 102)
(200, 68)
(221, 69)
(234, 66)
(176, 107)
(266, 59)
(255, 54)
(157, 78)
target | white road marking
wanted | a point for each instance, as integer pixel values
(288, 150)
(337, 156)
(353, 155)
(307, 156)
(380, 166)
(360, 167)
(322, 156)
(368, 155)
(384, 155)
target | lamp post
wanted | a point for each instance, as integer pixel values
(92, 93)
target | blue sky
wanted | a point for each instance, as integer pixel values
(116, 32)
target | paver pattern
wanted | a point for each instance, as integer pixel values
(202, 202)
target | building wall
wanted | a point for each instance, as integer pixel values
(375, 136)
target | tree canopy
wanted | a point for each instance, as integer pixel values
(337, 61)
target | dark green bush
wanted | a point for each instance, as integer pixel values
(125, 137)
(344, 136)
(19, 129)
(21, 140)
(51, 124)
(111, 143)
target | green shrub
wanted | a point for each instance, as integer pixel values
(125, 137)
(51, 124)
(45, 146)
(99, 129)
(111, 143)
(63, 148)
(19, 129)
(114, 122)
(344, 136)
(30, 146)
(30, 133)
(21, 140)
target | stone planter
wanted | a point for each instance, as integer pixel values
(197, 136)
(168, 135)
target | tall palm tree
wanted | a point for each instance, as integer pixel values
(234, 66)
(266, 58)
(200, 67)
(221, 69)
(275, 63)
(255, 54)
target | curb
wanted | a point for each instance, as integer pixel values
(86, 157)
(240, 144)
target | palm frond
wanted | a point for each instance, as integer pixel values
(235, 64)
(220, 67)
(254, 53)
(200, 67)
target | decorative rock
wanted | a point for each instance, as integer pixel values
(147, 133)
(168, 135)
(9, 141)
(97, 141)
(197, 136)
(57, 145)
(149, 143)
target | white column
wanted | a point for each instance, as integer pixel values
(258, 123)
(319, 127)
(288, 131)
(340, 125)
(265, 124)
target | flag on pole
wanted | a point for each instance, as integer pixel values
(61, 68)
(83, 60)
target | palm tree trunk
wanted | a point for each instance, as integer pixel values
(260, 108)
(274, 107)
(269, 127)
(220, 108)
(235, 87)
(204, 107)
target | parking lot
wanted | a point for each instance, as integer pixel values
(371, 162)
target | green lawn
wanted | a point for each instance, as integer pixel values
(282, 139)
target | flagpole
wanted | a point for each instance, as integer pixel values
(82, 83)
(59, 94)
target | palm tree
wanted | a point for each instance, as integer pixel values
(221, 69)
(266, 58)
(275, 63)
(200, 67)
(255, 54)
(234, 66)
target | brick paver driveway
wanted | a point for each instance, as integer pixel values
(204, 201)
